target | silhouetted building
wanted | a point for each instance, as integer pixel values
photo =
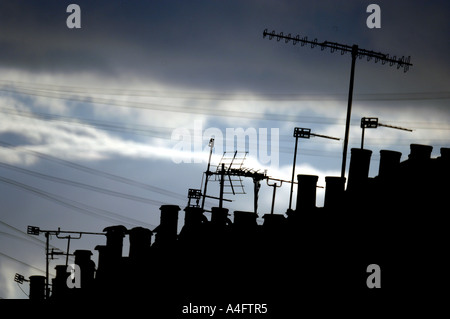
(395, 220)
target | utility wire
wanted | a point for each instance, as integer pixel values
(164, 132)
(13, 86)
(95, 171)
(77, 206)
(212, 111)
(34, 240)
(21, 238)
(21, 262)
(82, 185)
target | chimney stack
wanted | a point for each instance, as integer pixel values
(140, 241)
(114, 240)
(306, 192)
(109, 256)
(219, 217)
(59, 283)
(37, 287)
(359, 168)
(445, 154)
(193, 216)
(245, 220)
(166, 232)
(334, 191)
(389, 163)
(87, 267)
(420, 153)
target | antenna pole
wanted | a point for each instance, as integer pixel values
(362, 137)
(211, 145)
(222, 181)
(47, 243)
(349, 110)
(274, 185)
(293, 172)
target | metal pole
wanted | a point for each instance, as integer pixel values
(349, 110)
(47, 292)
(255, 195)
(273, 198)
(362, 137)
(274, 185)
(293, 172)
(222, 180)
(211, 145)
(67, 252)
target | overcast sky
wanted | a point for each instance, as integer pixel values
(141, 83)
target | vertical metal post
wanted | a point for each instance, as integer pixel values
(67, 252)
(293, 172)
(362, 137)
(222, 181)
(349, 110)
(47, 292)
(211, 145)
(274, 185)
(257, 185)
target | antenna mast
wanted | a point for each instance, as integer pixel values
(403, 62)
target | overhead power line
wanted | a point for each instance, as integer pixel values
(21, 262)
(165, 132)
(77, 206)
(39, 88)
(33, 240)
(192, 109)
(95, 171)
(82, 185)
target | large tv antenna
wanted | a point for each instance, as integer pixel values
(403, 62)
(229, 172)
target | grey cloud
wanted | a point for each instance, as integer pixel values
(202, 44)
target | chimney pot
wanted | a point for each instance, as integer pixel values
(166, 232)
(37, 287)
(359, 168)
(114, 240)
(306, 192)
(193, 216)
(219, 216)
(445, 153)
(334, 191)
(245, 219)
(420, 152)
(140, 241)
(389, 163)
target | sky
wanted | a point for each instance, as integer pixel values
(100, 125)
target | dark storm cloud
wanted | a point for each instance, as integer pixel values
(207, 45)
